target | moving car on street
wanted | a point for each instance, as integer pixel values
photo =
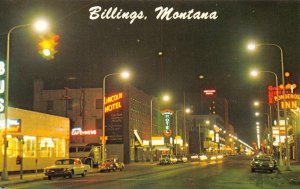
(263, 162)
(112, 164)
(66, 168)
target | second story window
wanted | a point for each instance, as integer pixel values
(99, 104)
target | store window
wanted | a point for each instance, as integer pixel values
(13, 146)
(46, 147)
(60, 147)
(29, 149)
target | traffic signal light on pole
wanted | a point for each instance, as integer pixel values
(47, 46)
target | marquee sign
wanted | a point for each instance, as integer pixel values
(80, 132)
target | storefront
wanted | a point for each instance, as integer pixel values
(38, 138)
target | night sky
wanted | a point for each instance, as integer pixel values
(216, 48)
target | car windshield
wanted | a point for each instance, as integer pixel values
(262, 158)
(64, 162)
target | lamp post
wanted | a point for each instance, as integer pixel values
(124, 75)
(255, 73)
(164, 98)
(252, 47)
(186, 111)
(40, 26)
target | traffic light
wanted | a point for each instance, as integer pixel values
(47, 46)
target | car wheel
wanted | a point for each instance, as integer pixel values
(252, 169)
(71, 174)
(271, 170)
(83, 174)
(49, 177)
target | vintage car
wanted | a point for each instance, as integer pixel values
(111, 164)
(263, 162)
(66, 168)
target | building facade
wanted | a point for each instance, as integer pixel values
(135, 127)
(38, 138)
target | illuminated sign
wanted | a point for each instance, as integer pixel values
(113, 102)
(291, 101)
(2, 86)
(80, 132)
(209, 92)
(14, 125)
(272, 91)
(167, 117)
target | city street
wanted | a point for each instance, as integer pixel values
(233, 172)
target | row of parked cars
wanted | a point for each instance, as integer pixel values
(172, 159)
(74, 166)
(203, 157)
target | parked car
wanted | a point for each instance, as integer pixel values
(165, 160)
(66, 168)
(182, 159)
(111, 165)
(194, 157)
(173, 159)
(263, 162)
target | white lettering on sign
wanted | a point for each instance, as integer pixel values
(166, 13)
(115, 13)
(79, 131)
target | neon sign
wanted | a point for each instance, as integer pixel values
(167, 117)
(80, 132)
(114, 102)
(209, 92)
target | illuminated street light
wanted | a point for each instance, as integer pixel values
(252, 46)
(41, 25)
(256, 103)
(256, 113)
(124, 75)
(166, 98)
(278, 111)
(40, 28)
(187, 111)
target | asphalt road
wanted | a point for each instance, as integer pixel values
(233, 172)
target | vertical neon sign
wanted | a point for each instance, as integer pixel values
(167, 120)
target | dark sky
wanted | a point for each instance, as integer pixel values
(89, 49)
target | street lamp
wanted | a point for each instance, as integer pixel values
(40, 26)
(186, 111)
(124, 75)
(252, 46)
(255, 73)
(165, 98)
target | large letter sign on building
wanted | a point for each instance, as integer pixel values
(2, 87)
(167, 120)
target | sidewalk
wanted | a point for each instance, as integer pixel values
(29, 177)
(292, 176)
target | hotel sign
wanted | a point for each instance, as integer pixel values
(113, 102)
(114, 118)
(167, 120)
(291, 101)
